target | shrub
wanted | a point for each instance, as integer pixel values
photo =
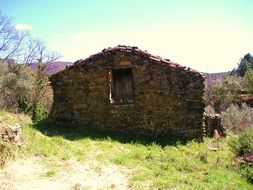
(249, 81)
(247, 171)
(39, 112)
(224, 92)
(236, 119)
(6, 152)
(23, 90)
(16, 82)
(243, 143)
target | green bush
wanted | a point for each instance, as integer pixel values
(249, 81)
(243, 143)
(247, 171)
(39, 112)
(16, 82)
(23, 90)
(224, 92)
(236, 119)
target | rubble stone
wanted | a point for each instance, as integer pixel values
(11, 134)
(167, 98)
(213, 125)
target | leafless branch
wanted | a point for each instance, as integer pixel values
(36, 51)
(21, 46)
(16, 48)
(10, 39)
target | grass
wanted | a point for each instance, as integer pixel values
(49, 173)
(151, 165)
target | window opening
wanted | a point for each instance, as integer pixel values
(121, 90)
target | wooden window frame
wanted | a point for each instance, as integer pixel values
(121, 86)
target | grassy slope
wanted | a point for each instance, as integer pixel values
(151, 166)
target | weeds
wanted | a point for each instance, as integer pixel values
(150, 165)
(243, 143)
(236, 119)
(50, 173)
(7, 152)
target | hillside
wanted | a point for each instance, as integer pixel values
(53, 67)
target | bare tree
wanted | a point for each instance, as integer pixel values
(21, 46)
(11, 39)
(36, 51)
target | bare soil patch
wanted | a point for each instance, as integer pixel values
(38, 173)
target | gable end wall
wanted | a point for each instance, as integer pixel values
(168, 100)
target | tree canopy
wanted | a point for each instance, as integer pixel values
(246, 64)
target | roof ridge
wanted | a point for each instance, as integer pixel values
(134, 50)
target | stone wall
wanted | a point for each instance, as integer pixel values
(213, 124)
(167, 98)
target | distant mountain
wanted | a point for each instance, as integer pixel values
(53, 67)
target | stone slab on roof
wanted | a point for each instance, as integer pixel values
(131, 50)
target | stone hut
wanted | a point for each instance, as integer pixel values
(127, 90)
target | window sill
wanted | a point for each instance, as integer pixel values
(121, 104)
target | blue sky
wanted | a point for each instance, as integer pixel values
(205, 35)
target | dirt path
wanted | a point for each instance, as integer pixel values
(38, 173)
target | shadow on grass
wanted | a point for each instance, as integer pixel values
(72, 132)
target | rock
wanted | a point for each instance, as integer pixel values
(11, 134)
(248, 157)
(216, 134)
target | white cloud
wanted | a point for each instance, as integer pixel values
(22, 26)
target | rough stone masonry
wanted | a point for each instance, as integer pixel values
(127, 90)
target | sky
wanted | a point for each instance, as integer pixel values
(206, 35)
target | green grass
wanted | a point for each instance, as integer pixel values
(150, 164)
(49, 173)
